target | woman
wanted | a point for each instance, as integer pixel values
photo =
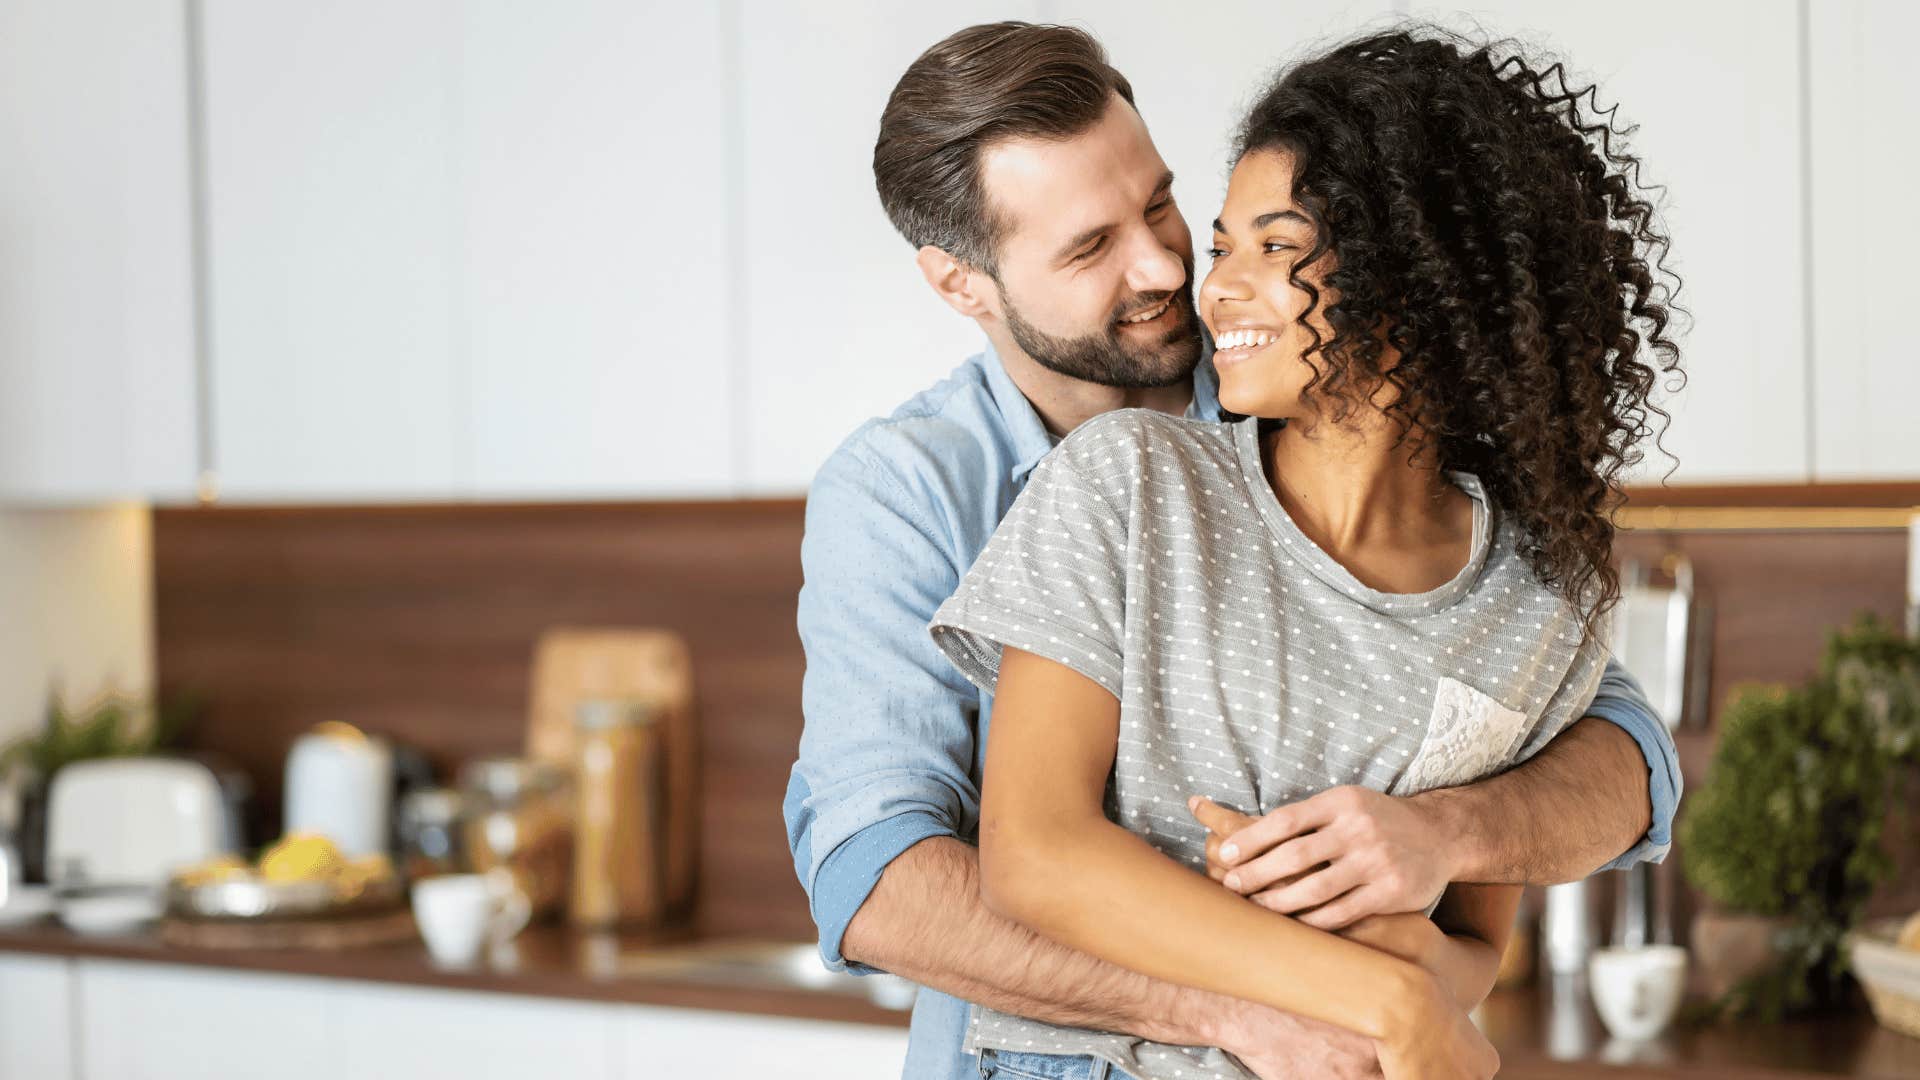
(1432, 284)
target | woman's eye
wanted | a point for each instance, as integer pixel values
(1273, 246)
(1216, 253)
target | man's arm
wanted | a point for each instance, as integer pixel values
(882, 792)
(1606, 784)
(925, 920)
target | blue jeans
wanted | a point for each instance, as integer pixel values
(1016, 1065)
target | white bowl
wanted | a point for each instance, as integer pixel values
(25, 904)
(110, 914)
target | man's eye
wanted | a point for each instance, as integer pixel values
(1159, 208)
(1098, 246)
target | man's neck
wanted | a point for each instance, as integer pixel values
(1064, 402)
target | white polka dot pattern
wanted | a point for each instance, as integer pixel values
(1149, 554)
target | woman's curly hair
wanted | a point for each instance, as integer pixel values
(1496, 233)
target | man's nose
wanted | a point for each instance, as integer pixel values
(1157, 269)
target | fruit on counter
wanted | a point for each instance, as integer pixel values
(301, 857)
(296, 857)
(1910, 933)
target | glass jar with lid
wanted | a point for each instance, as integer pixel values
(519, 815)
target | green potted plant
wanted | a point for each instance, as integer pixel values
(1784, 838)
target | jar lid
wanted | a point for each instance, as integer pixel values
(596, 713)
(507, 779)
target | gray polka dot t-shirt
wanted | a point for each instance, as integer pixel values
(1149, 553)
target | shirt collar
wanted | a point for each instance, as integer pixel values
(1029, 436)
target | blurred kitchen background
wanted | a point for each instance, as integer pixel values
(405, 414)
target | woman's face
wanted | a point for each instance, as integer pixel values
(1247, 302)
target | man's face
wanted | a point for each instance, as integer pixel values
(1096, 264)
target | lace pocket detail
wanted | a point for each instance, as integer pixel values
(1469, 736)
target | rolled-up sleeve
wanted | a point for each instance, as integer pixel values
(1621, 701)
(886, 754)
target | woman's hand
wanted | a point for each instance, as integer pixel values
(1329, 860)
(1436, 1041)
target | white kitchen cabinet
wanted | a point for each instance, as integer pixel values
(98, 1019)
(36, 1017)
(839, 324)
(332, 245)
(597, 310)
(402, 1031)
(97, 365)
(1866, 393)
(665, 1044)
(1720, 124)
(141, 1021)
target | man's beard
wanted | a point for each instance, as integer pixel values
(1106, 358)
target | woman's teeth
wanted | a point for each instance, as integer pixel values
(1149, 316)
(1243, 339)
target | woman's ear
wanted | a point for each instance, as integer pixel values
(958, 284)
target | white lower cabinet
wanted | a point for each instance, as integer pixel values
(119, 1020)
(36, 1017)
(665, 1044)
(142, 1021)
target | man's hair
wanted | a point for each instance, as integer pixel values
(978, 87)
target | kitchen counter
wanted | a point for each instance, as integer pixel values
(1548, 1032)
(755, 977)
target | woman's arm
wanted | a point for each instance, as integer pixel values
(1050, 859)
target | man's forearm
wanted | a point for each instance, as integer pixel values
(1563, 814)
(925, 921)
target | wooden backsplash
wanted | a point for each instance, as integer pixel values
(419, 624)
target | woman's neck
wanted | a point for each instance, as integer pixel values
(1368, 503)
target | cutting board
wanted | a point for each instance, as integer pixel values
(575, 664)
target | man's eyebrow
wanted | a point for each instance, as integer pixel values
(1269, 218)
(1085, 236)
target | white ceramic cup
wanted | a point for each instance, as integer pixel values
(460, 913)
(1638, 990)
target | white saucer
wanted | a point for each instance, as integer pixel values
(26, 904)
(109, 914)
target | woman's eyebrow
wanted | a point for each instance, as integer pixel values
(1268, 218)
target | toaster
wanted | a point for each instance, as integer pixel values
(133, 821)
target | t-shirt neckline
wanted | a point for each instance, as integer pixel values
(1296, 544)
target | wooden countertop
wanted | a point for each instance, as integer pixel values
(544, 961)
(1546, 1032)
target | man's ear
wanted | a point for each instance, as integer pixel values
(954, 281)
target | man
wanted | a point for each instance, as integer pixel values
(1012, 158)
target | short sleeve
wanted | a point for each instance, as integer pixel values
(1575, 693)
(1052, 581)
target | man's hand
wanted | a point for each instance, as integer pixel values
(1332, 859)
(1276, 1045)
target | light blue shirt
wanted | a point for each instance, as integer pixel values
(895, 735)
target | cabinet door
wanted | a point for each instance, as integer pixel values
(1720, 124)
(401, 1031)
(1866, 386)
(97, 369)
(331, 231)
(600, 313)
(839, 324)
(36, 1018)
(161, 1022)
(664, 1044)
